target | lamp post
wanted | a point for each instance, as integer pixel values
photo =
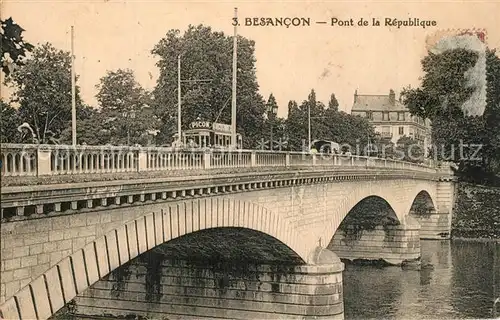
(309, 125)
(73, 90)
(272, 111)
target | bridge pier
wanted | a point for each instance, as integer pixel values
(180, 289)
(393, 244)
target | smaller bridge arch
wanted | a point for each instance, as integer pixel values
(60, 284)
(422, 204)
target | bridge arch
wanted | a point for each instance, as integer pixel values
(422, 204)
(399, 197)
(371, 211)
(49, 292)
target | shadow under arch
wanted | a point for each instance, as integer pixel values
(228, 244)
(422, 205)
(371, 233)
(367, 214)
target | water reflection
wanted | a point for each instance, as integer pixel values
(458, 280)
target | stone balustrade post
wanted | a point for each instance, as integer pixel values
(43, 166)
(142, 164)
(253, 159)
(206, 160)
(287, 159)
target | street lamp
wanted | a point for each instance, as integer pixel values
(272, 111)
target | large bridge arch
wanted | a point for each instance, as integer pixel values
(60, 284)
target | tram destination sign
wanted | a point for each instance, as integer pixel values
(219, 127)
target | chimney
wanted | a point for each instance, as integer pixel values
(392, 97)
(356, 96)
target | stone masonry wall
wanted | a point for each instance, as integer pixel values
(477, 212)
(393, 244)
(180, 290)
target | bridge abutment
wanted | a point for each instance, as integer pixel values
(189, 290)
(394, 244)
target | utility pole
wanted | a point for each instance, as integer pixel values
(179, 110)
(309, 124)
(233, 104)
(73, 90)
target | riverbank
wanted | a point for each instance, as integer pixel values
(477, 212)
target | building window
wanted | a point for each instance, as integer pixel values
(385, 116)
(401, 131)
(369, 115)
(401, 116)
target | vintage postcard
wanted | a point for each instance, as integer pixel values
(249, 159)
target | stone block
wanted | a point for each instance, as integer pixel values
(54, 288)
(28, 261)
(43, 225)
(55, 257)
(140, 226)
(132, 239)
(41, 298)
(181, 218)
(49, 247)
(56, 235)
(80, 274)
(22, 273)
(77, 220)
(102, 256)
(11, 264)
(10, 310)
(36, 249)
(93, 218)
(150, 231)
(78, 243)
(89, 254)
(39, 237)
(12, 288)
(26, 304)
(121, 239)
(39, 269)
(158, 223)
(60, 222)
(112, 248)
(67, 279)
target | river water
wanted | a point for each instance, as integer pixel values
(460, 281)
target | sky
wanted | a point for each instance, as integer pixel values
(290, 61)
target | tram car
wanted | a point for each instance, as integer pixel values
(205, 134)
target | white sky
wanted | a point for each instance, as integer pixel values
(290, 61)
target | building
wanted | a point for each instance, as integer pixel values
(391, 119)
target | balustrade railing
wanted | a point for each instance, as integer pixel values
(43, 160)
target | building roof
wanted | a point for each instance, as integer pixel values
(367, 102)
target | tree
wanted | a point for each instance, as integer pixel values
(440, 98)
(408, 149)
(333, 104)
(43, 91)
(207, 54)
(9, 124)
(125, 107)
(491, 114)
(326, 124)
(444, 86)
(14, 48)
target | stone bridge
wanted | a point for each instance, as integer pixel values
(76, 219)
